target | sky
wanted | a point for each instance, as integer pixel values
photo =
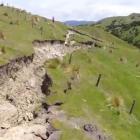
(91, 10)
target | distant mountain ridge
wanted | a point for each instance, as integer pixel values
(124, 27)
(78, 22)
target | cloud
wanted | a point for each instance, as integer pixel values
(78, 9)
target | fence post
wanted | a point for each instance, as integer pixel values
(70, 58)
(99, 79)
(132, 107)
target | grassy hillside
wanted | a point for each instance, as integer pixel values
(74, 79)
(18, 29)
(126, 28)
(107, 105)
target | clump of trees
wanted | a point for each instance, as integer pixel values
(2, 4)
(126, 31)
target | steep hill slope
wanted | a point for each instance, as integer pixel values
(126, 28)
(26, 42)
(18, 29)
(105, 107)
(53, 92)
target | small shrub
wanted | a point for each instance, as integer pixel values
(75, 72)
(76, 69)
(37, 19)
(137, 65)
(69, 84)
(98, 45)
(11, 22)
(64, 65)
(3, 50)
(115, 102)
(116, 111)
(2, 36)
(53, 63)
(5, 14)
(123, 60)
(33, 22)
(1, 4)
(67, 69)
(110, 51)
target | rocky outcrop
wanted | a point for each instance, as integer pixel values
(8, 114)
(31, 132)
(8, 70)
(94, 132)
